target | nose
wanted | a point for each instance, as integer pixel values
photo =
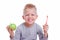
(30, 16)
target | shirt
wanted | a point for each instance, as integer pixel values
(29, 33)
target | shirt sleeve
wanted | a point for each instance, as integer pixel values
(17, 34)
(40, 34)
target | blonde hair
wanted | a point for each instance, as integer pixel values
(30, 6)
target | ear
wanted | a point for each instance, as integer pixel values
(36, 16)
(23, 17)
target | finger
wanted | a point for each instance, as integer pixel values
(7, 27)
(45, 28)
(46, 20)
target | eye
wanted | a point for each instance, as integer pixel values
(33, 14)
(27, 15)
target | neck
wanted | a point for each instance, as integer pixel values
(28, 25)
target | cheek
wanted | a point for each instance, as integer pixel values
(34, 17)
(25, 18)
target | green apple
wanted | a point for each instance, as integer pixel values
(12, 26)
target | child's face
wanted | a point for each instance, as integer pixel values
(30, 15)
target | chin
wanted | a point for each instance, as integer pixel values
(30, 23)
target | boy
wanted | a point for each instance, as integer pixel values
(29, 29)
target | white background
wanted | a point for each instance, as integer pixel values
(11, 12)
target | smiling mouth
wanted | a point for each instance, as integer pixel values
(30, 20)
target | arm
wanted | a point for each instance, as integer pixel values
(17, 33)
(10, 32)
(41, 35)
